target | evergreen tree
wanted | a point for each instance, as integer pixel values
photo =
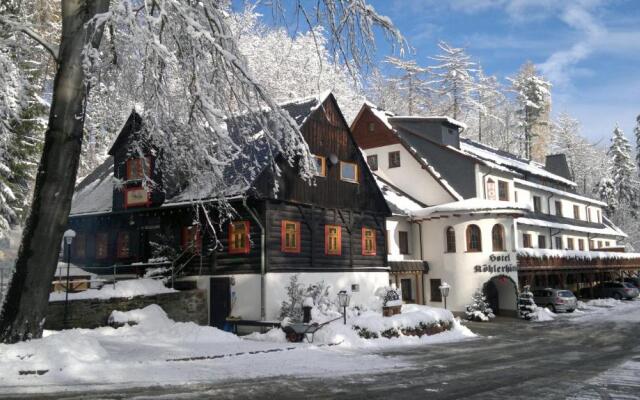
(622, 169)
(533, 97)
(479, 309)
(526, 305)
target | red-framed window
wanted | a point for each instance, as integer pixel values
(290, 236)
(136, 197)
(239, 237)
(368, 242)
(191, 239)
(123, 245)
(333, 240)
(135, 167)
(79, 245)
(102, 245)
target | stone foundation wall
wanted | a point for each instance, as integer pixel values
(181, 306)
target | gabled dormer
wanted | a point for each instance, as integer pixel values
(138, 180)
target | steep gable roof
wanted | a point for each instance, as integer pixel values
(94, 193)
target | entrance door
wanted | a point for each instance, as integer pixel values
(491, 292)
(219, 301)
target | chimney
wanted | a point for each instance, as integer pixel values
(557, 164)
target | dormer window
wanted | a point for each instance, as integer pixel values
(138, 168)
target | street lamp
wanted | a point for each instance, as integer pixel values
(444, 291)
(68, 235)
(343, 301)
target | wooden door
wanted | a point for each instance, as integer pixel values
(219, 301)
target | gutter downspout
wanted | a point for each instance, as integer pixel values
(263, 260)
(424, 299)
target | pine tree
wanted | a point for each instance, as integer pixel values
(622, 169)
(479, 309)
(526, 304)
(533, 96)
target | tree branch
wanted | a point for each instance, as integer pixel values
(19, 27)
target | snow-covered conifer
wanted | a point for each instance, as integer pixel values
(533, 97)
(479, 309)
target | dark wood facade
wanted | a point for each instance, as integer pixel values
(369, 131)
(328, 201)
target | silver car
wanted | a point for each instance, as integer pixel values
(556, 300)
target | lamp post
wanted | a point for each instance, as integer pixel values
(444, 291)
(343, 301)
(69, 234)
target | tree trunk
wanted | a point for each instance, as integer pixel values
(26, 304)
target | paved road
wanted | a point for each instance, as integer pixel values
(565, 358)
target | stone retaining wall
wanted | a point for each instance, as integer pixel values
(181, 306)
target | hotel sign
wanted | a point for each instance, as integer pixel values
(498, 263)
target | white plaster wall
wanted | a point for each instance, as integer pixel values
(245, 289)
(458, 268)
(276, 284)
(394, 225)
(483, 174)
(410, 177)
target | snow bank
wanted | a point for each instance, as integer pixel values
(542, 314)
(347, 336)
(599, 303)
(158, 351)
(129, 288)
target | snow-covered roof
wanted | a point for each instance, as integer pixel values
(380, 113)
(94, 195)
(74, 271)
(509, 161)
(559, 192)
(604, 230)
(585, 255)
(399, 202)
(434, 118)
(472, 206)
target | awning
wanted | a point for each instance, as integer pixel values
(409, 266)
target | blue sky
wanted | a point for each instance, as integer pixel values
(588, 49)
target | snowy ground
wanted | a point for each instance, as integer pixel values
(158, 351)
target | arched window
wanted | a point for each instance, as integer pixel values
(474, 241)
(497, 237)
(450, 235)
(491, 189)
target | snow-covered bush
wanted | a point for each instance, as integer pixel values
(479, 309)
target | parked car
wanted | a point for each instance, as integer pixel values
(635, 281)
(556, 300)
(616, 290)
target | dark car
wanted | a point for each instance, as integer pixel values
(635, 281)
(616, 290)
(556, 300)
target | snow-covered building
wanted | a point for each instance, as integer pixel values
(480, 217)
(332, 230)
